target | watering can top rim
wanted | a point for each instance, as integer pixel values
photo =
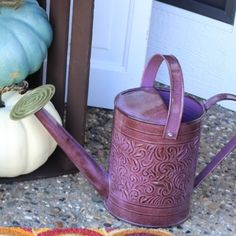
(145, 105)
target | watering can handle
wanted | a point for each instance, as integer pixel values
(175, 110)
(228, 148)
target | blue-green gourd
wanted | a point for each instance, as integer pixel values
(25, 35)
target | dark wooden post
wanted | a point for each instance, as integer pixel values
(79, 68)
(74, 110)
(57, 56)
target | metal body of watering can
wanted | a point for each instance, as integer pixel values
(154, 148)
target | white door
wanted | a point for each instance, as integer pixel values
(119, 45)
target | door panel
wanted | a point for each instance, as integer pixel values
(120, 35)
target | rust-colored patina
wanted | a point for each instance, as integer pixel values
(154, 150)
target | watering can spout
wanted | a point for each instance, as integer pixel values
(87, 165)
(95, 173)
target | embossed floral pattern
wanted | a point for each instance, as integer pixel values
(152, 174)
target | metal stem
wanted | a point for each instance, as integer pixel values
(19, 87)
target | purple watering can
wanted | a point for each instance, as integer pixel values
(154, 149)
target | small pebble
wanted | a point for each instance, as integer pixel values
(59, 224)
(97, 199)
(107, 225)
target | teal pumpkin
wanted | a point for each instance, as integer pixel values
(25, 35)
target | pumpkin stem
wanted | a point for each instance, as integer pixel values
(1, 102)
(21, 88)
(11, 3)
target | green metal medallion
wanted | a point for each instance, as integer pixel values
(32, 102)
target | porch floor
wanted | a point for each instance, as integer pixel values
(69, 201)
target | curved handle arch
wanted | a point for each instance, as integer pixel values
(228, 148)
(176, 104)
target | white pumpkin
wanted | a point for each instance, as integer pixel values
(25, 145)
